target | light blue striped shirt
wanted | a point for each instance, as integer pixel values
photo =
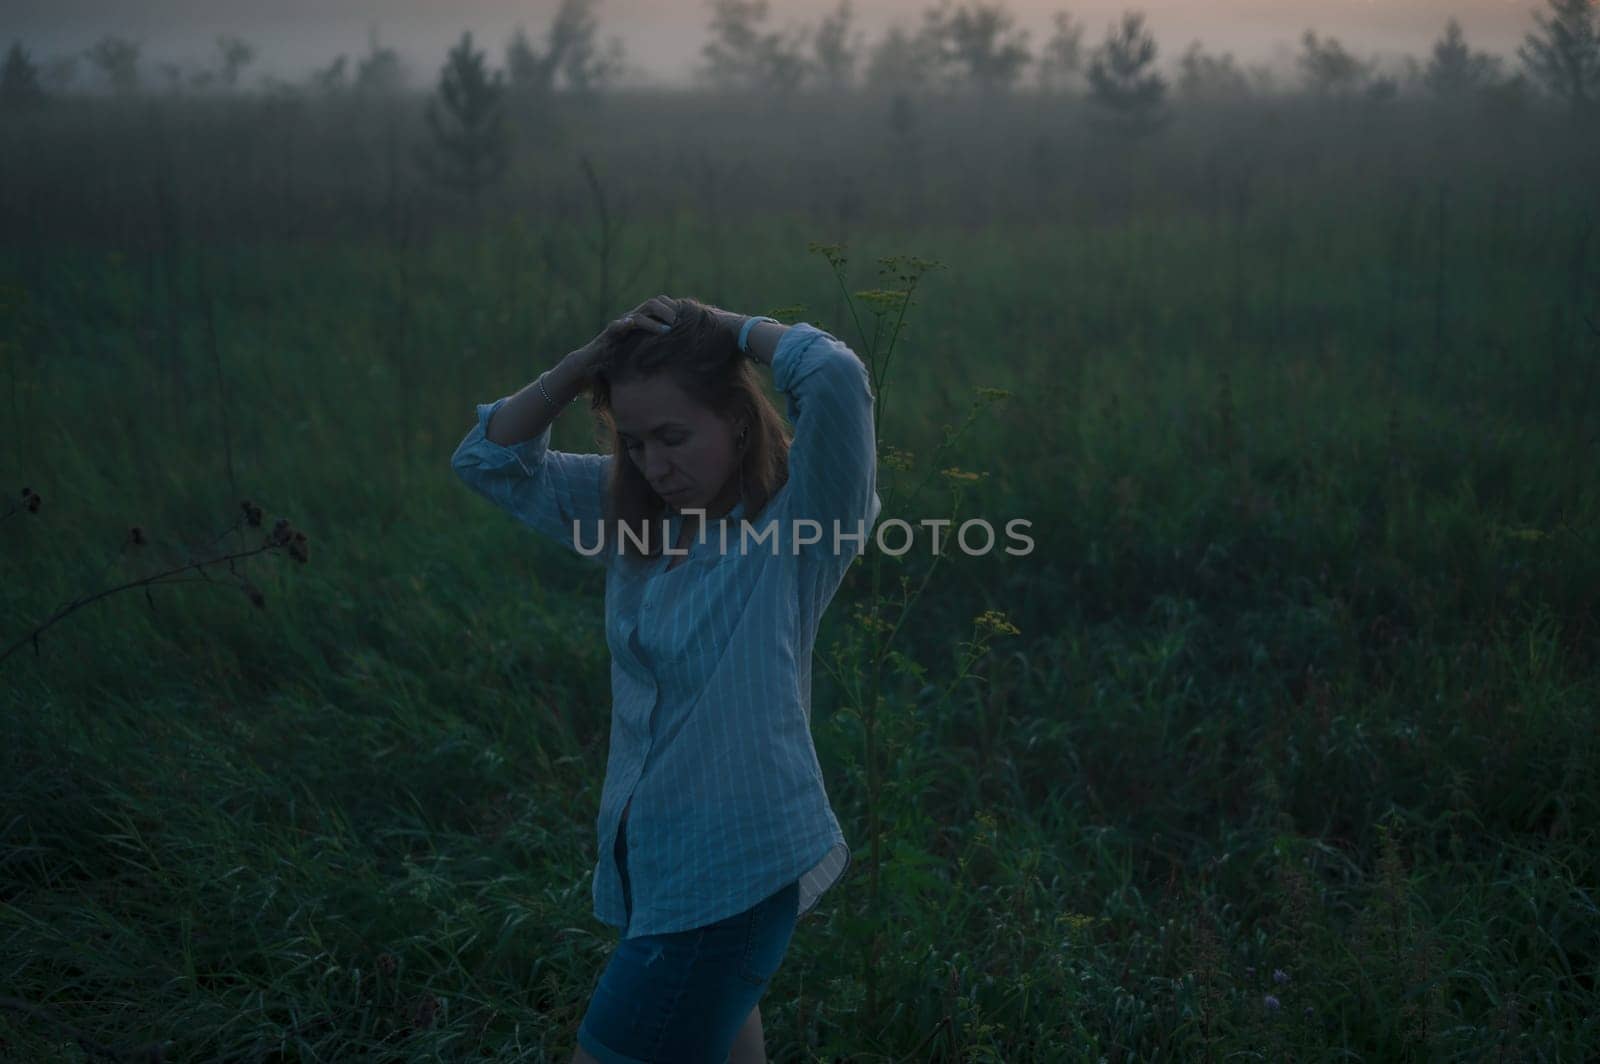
(711, 661)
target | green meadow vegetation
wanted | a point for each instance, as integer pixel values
(1280, 744)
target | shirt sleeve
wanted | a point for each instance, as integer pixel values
(833, 459)
(546, 490)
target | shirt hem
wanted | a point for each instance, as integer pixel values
(643, 924)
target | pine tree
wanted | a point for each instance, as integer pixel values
(467, 118)
(1456, 71)
(1563, 56)
(332, 78)
(379, 72)
(1329, 70)
(901, 61)
(19, 81)
(235, 54)
(733, 54)
(572, 42)
(740, 57)
(1129, 93)
(528, 72)
(569, 51)
(836, 56)
(117, 59)
(1210, 78)
(1062, 56)
(980, 45)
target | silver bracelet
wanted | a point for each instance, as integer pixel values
(744, 332)
(558, 407)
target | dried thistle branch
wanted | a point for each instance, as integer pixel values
(30, 503)
(283, 536)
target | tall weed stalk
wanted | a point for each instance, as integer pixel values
(868, 658)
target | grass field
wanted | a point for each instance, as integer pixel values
(1281, 744)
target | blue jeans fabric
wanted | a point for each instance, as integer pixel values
(682, 997)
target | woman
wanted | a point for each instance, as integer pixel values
(714, 827)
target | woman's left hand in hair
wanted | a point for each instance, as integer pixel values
(729, 322)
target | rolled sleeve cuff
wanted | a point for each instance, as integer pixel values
(529, 453)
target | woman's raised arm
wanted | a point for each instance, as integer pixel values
(506, 456)
(559, 494)
(833, 461)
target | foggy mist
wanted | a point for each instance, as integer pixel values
(662, 39)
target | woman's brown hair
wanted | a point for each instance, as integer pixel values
(704, 360)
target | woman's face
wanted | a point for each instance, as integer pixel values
(685, 451)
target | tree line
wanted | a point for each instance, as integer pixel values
(970, 48)
(967, 47)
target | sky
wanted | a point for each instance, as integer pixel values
(663, 37)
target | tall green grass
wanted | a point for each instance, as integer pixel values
(1292, 755)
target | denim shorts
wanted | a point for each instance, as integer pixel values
(683, 996)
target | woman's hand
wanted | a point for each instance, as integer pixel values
(655, 315)
(729, 322)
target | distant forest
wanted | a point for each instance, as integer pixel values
(949, 48)
(952, 116)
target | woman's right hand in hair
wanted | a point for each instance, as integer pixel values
(654, 315)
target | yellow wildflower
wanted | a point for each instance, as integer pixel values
(871, 623)
(997, 622)
(882, 300)
(898, 459)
